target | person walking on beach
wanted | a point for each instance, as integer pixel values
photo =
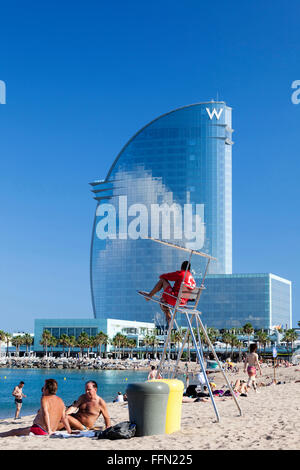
(19, 395)
(170, 293)
(252, 361)
(48, 417)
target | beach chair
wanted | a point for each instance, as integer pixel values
(190, 312)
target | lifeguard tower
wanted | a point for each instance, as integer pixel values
(191, 313)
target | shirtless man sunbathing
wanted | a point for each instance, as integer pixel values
(86, 410)
(48, 417)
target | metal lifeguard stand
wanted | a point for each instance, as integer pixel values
(190, 312)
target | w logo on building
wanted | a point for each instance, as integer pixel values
(2, 92)
(214, 112)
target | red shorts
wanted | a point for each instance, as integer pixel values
(169, 299)
(38, 430)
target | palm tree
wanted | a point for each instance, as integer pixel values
(64, 341)
(105, 343)
(155, 346)
(92, 343)
(263, 338)
(28, 340)
(188, 341)
(239, 345)
(212, 333)
(8, 338)
(53, 343)
(147, 342)
(233, 342)
(71, 344)
(46, 338)
(2, 338)
(226, 339)
(248, 330)
(17, 341)
(290, 336)
(239, 331)
(100, 339)
(83, 342)
(131, 345)
(125, 342)
(152, 341)
(117, 342)
(114, 343)
(177, 339)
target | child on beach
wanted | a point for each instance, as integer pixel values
(252, 361)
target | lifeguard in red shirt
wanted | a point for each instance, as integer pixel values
(170, 293)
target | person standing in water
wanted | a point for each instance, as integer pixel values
(252, 361)
(153, 374)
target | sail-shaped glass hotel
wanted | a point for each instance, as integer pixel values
(175, 172)
(182, 158)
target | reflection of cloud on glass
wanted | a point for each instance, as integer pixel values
(145, 209)
(2, 92)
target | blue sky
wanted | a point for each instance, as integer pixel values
(83, 77)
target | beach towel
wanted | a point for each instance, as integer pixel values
(66, 435)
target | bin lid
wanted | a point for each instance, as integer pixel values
(151, 387)
(174, 385)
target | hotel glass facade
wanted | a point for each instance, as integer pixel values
(181, 158)
(231, 301)
(281, 301)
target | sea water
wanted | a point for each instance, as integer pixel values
(71, 384)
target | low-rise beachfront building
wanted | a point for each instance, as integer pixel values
(91, 326)
(10, 348)
(232, 300)
(131, 329)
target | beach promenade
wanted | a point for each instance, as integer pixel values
(270, 421)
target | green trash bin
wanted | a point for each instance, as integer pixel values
(147, 404)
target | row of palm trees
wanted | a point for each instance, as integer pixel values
(228, 337)
(88, 343)
(84, 341)
(122, 342)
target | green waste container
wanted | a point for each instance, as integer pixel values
(147, 404)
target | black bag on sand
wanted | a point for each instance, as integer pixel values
(124, 430)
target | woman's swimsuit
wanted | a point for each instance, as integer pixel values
(251, 370)
(38, 430)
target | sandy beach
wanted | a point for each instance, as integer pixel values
(270, 421)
